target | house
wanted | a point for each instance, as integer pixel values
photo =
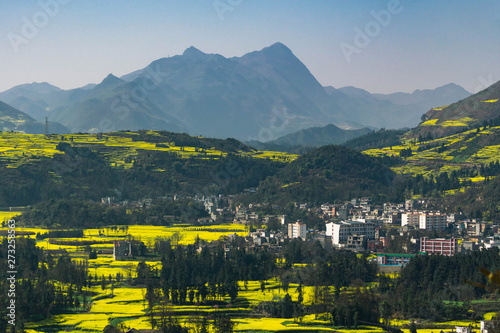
(488, 325)
(463, 329)
(122, 250)
(356, 243)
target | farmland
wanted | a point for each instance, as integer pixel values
(119, 148)
(121, 300)
(126, 304)
(431, 157)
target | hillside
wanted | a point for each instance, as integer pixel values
(466, 164)
(472, 111)
(12, 119)
(135, 165)
(319, 136)
(129, 165)
(329, 174)
(376, 139)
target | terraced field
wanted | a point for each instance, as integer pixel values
(445, 154)
(17, 149)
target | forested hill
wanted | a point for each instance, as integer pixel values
(376, 139)
(328, 174)
(127, 165)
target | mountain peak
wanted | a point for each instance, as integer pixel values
(109, 82)
(277, 48)
(110, 79)
(193, 53)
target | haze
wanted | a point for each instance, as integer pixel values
(421, 45)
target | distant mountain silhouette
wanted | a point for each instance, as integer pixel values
(12, 119)
(260, 96)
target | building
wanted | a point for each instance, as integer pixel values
(433, 221)
(394, 259)
(425, 220)
(393, 218)
(410, 219)
(340, 232)
(442, 246)
(356, 243)
(488, 326)
(122, 250)
(297, 230)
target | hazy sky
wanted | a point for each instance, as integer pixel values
(422, 44)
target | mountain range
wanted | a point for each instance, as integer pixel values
(260, 96)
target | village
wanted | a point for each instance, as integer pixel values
(394, 232)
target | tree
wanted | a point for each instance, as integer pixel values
(413, 327)
(223, 324)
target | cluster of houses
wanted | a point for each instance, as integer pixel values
(356, 225)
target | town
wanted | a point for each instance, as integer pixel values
(357, 225)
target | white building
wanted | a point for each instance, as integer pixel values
(341, 231)
(410, 219)
(297, 230)
(433, 221)
(425, 220)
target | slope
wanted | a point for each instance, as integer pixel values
(319, 136)
(329, 174)
(12, 119)
(132, 165)
(449, 119)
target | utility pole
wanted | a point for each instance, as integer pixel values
(46, 125)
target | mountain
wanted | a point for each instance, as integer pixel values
(319, 136)
(12, 119)
(131, 165)
(39, 99)
(456, 117)
(259, 96)
(109, 106)
(427, 98)
(394, 110)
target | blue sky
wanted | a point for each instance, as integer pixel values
(424, 44)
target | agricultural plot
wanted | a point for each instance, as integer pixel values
(126, 304)
(444, 154)
(17, 149)
(5, 216)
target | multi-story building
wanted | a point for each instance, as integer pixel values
(340, 232)
(442, 246)
(410, 219)
(425, 220)
(297, 230)
(433, 221)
